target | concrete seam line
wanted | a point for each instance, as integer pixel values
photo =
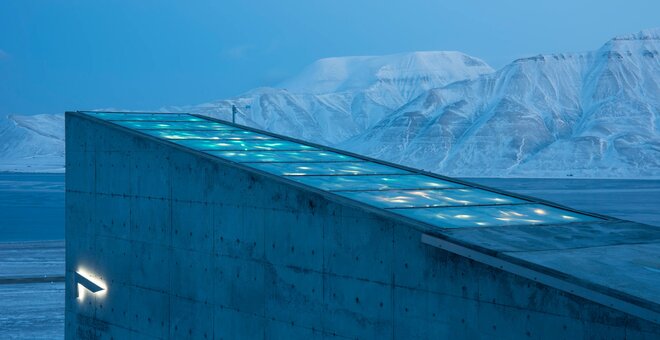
(545, 279)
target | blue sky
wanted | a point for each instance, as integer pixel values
(59, 55)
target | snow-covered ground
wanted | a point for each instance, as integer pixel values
(32, 290)
(32, 143)
(32, 311)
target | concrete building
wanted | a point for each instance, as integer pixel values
(181, 226)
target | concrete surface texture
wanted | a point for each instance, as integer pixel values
(191, 246)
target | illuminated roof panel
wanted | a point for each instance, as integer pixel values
(430, 198)
(489, 216)
(385, 182)
(283, 156)
(210, 134)
(334, 168)
(242, 145)
(438, 202)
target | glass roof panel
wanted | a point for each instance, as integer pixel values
(242, 145)
(204, 125)
(334, 168)
(424, 198)
(487, 216)
(385, 182)
(282, 156)
(145, 116)
(207, 134)
(429, 198)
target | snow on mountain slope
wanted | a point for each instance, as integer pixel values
(371, 88)
(593, 114)
(32, 143)
(336, 98)
(408, 73)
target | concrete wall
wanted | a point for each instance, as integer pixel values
(192, 247)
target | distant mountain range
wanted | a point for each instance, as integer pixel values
(592, 114)
(338, 98)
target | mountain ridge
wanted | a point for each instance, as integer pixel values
(571, 102)
(593, 114)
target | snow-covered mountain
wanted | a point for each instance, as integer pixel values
(403, 75)
(32, 143)
(591, 114)
(594, 114)
(336, 98)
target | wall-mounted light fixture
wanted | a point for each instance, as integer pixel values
(88, 282)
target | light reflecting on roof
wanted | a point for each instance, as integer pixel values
(338, 168)
(385, 182)
(488, 216)
(211, 134)
(283, 156)
(242, 145)
(145, 116)
(430, 198)
(203, 125)
(438, 202)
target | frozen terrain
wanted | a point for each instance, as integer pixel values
(31, 265)
(32, 290)
(32, 143)
(593, 114)
(32, 311)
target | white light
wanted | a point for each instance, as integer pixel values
(83, 290)
(540, 211)
(422, 194)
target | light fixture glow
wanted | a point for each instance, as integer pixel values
(88, 283)
(540, 211)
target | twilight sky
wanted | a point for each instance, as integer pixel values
(80, 54)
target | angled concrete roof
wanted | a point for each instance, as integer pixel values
(604, 259)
